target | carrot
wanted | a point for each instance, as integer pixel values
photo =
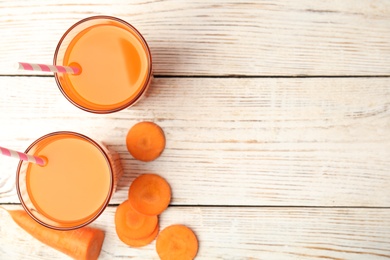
(177, 242)
(137, 242)
(82, 243)
(132, 224)
(145, 141)
(150, 194)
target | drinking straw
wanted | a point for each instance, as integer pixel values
(22, 156)
(48, 68)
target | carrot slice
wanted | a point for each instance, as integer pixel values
(177, 242)
(82, 243)
(137, 242)
(150, 194)
(145, 141)
(133, 224)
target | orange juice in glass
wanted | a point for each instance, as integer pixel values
(115, 63)
(75, 185)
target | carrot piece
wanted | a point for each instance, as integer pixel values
(145, 141)
(133, 224)
(177, 242)
(137, 242)
(82, 243)
(150, 194)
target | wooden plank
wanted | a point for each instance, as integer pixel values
(272, 141)
(240, 233)
(219, 37)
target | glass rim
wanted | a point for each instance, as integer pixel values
(106, 201)
(143, 42)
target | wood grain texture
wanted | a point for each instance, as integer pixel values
(269, 141)
(239, 233)
(218, 37)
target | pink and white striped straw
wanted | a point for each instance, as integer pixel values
(22, 156)
(47, 68)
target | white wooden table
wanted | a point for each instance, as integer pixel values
(276, 115)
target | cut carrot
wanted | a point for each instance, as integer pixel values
(150, 194)
(137, 242)
(177, 242)
(82, 243)
(145, 141)
(133, 224)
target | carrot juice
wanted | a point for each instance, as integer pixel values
(115, 64)
(74, 186)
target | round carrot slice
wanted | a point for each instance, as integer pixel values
(137, 242)
(145, 141)
(177, 242)
(150, 194)
(133, 224)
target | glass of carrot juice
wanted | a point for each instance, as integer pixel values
(74, 186)
(114, 60)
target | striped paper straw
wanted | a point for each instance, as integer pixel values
(47, 68)
(22, 156)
